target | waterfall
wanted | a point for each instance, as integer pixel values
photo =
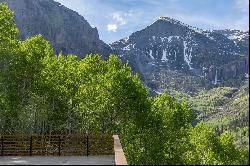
(216, 78)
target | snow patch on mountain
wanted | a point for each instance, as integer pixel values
(187, 57)
(170, 38)
(163, 39)
(175, 56)
(126, 39)
(164, 55)
(207, 34)
(238, 37)
(200, 31)
(233, 34)
(246, 75)
(127, 48)
(151, 54)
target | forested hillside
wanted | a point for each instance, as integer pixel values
(46, 93)
(222, 108)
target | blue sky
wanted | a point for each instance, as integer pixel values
(116, 19)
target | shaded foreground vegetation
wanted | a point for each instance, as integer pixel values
(44, 93)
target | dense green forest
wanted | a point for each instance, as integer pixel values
(44, 93)
(223, 109)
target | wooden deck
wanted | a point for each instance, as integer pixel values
(53, 160)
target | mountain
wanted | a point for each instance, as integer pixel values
(168, 54)
(67, 31)
(168, 46)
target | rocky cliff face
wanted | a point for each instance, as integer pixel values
(65, 29)
(238, 69)
(171, 45)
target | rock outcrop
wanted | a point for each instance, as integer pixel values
(67, 31)
(232, 70)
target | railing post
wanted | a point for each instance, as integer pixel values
(31, 145)
(87, 145)
(59, 146)
(2, 145)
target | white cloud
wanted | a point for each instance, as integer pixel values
(117, 21)
(112, 27)
(118, 18)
